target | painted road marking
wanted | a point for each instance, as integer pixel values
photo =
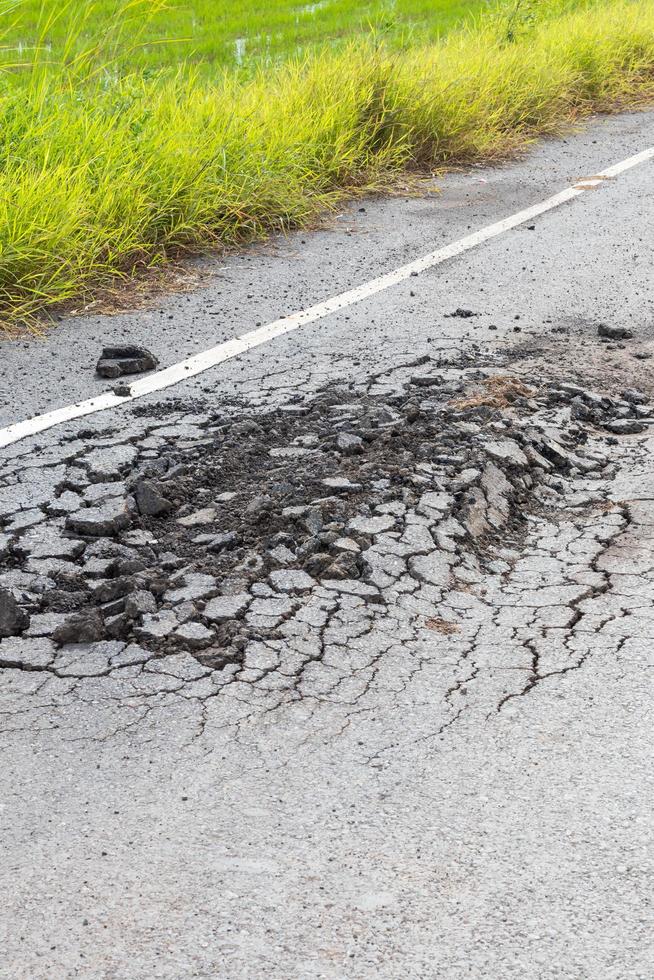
(199, 363)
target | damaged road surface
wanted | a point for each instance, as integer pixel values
(339, 678)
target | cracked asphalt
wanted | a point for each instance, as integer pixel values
(335, 662)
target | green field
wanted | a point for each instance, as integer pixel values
(231, 33)
(117, 153)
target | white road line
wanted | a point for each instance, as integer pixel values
(239, 345)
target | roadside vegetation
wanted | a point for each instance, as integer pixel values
(227, 33)
(109, 164)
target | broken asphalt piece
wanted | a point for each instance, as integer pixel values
(83, 627)
(623, 427)
(116, 361)
(349, 444)
(110, 517)
(13, 619)
(634, 397)
(149, 500)
(462, 314)
(614, 333)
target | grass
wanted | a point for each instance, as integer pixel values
(229, 33)
(107, 170)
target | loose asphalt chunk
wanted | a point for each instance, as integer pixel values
(117, 361)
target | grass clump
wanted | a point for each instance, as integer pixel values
(105, 171)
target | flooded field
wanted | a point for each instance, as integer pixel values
(227, 32)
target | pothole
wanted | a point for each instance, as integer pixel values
(208, 534)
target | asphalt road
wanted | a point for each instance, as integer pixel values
(588, 259)
(439, 769)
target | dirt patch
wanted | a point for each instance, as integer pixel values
(573, 350)
(439, 625)
(499, 391)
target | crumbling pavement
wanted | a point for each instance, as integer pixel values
(442, 530)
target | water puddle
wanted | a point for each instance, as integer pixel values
(240, 46)
(309, 9)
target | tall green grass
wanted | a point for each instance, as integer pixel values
(210, 33)
(102, 171)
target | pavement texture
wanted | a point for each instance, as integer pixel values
(335, 662)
